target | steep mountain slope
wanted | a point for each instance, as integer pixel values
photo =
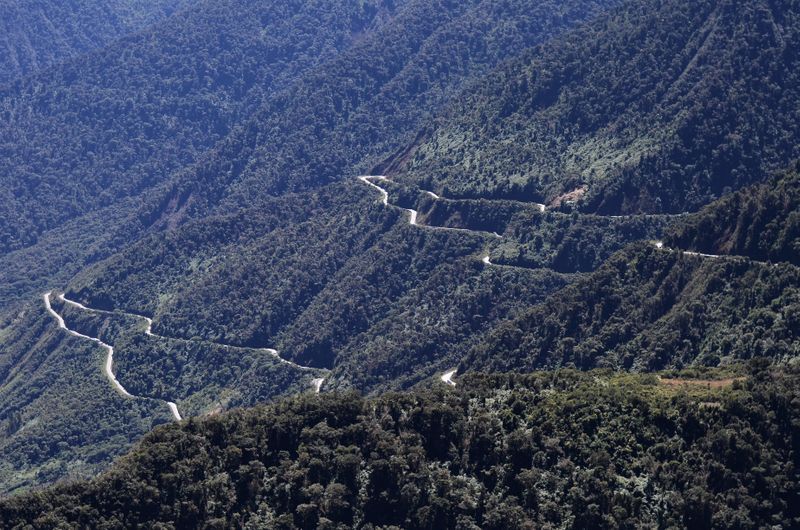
(535, 236)
(292, 108)
(202, 206)
(761, 222)
(90, 132)
(35, 34)
(383, 303)
(60, 416)
(379, 94)
(259, 289)
(548, 450)
(173, 155)
(656, 107)
(650, 307)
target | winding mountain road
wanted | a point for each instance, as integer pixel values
(366, 180)
(149, 332)
(413, 221)
(316, 383)
(414, 214)
(542, 207)
(447, 377)
(660, 246)
(108, 367)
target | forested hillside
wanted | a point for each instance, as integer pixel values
(383, 303)
(344, 117)
(88, 133)
(371, 269)
(386, 305)
(762, 223)
(591, 187)
(35, 34)
(59, 417)
(549, 450)
(162, 172)
(649, 308)
(231, 103)
(534, 235)
(656, 107)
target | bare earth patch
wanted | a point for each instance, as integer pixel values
(569, 197)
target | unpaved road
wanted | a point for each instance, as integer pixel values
(660, 246)
(149, 332)
(109, 364)
(366, 180)
(414, 214)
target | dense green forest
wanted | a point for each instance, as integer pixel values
(35, 34)
(648, 308)
(371, 268)
(260, 96)
(160, 173)
(592, 187)
(86, 134)
(762, 223)
(564, 449)
(59, 417)
(658, 106)
(264, 79)
(532, 238)
(200, 376)
(384, 304)
(388, 306)
(371, 99)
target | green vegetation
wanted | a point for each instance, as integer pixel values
(200, 376)
(546, 450)
(201, 172)
(382, 303)
(88, 134)
(229, 103)
(61, 418)
(564, 242)
(649, 309)
(658, 106)
(59, 415)
(387, 306)
(760, 222)
(35, 34)
(246, 280)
